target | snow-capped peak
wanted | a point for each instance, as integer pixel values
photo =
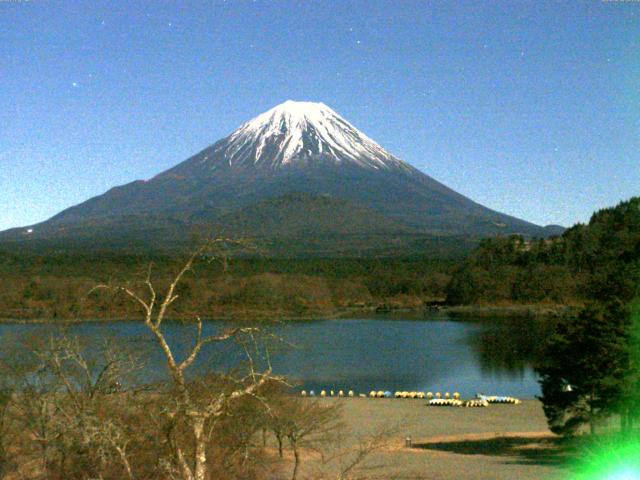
(306, 132)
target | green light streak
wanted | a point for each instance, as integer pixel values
(612, 459)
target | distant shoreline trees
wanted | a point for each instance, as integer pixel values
(585, 262)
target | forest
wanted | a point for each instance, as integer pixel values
(56, 286)
(500, 271)
(582, 263)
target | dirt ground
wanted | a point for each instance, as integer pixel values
(493, 443)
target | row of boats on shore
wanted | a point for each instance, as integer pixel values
(437, 400)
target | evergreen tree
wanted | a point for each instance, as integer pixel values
(586, 368)
(592, 365)
(629, 397)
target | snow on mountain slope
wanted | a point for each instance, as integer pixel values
(295, 132)
(296, 148)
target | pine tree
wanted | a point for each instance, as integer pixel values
(629, 401)
(592, 363)
(585, 369)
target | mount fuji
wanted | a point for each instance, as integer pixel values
(299, 174)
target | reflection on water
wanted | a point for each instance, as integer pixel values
(510, 346)
(436, 354)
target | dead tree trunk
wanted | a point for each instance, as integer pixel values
(296, 461)
(196, 414)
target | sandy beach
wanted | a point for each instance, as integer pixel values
(492, 443)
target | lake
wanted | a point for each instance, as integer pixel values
(436, 353)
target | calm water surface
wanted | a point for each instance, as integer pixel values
(433, 354)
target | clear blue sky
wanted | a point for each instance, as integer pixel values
(531, 108)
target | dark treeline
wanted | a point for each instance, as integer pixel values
(500, 271)
(57, 285)
(562, 270)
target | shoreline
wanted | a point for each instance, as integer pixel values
(500, 442)
(514, 310)
(381, 310)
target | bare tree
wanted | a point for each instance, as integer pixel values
(62, 401)
(198, 410)
(350, 459)
(5, 400)
(88, 386)
(33, 402)
(308, 423)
